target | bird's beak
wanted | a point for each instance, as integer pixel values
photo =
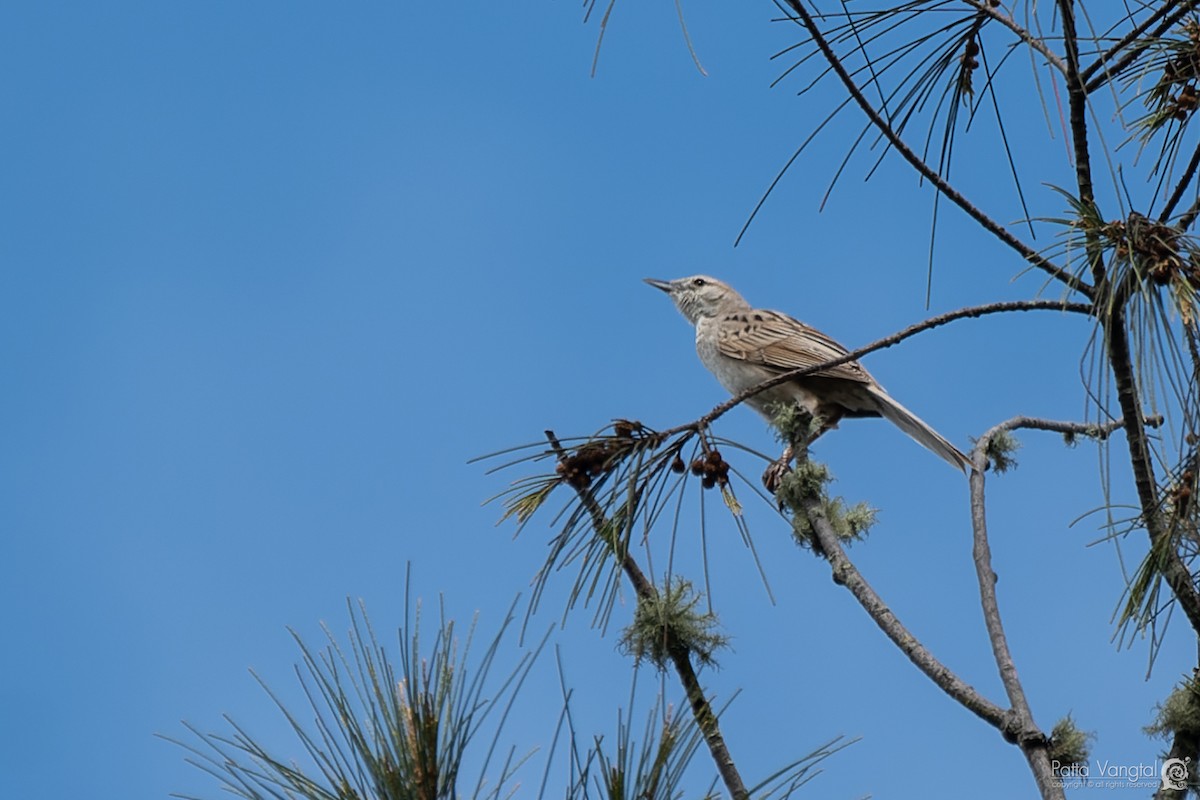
(657, 284)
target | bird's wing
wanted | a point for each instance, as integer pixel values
(780, 342)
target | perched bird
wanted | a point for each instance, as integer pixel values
(744, 346)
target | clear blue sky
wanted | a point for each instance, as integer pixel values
(271, 273)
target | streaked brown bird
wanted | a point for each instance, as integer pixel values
(744, 346)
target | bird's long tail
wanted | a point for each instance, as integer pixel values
(915, 427)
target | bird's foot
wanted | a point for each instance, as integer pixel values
(774, 474)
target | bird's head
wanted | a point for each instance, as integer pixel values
(701, 296)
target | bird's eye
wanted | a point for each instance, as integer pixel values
(699, 282)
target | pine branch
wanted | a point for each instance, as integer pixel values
(1165, 16)
(1029, 737)
(1035, 43)
(702, 711)
(1181, 185)
(1116, 339)
(987, 223)
(970, 312)
(1175, 572)
(1077, 105)
(845, 573)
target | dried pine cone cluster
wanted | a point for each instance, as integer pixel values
(1184, 102)
(1182, 68)
(1180, 495)
(1155, 248)
(968, 59)
(710, 468)
(969, 63)
(586, 463)
(595, 458)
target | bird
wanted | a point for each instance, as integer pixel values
(743, 346)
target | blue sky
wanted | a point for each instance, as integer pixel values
(272, 273)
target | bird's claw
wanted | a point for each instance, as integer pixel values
(773, 476)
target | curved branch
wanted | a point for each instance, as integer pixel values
(702, 711)
(1035, 43)
(1077, 109)
(1181, 185)
(847, 574)
(1029, 737)
(1188, 218)
(1161, 16)
(1175, 572)
(969, 312)
(1117, 343)
(1028, 253)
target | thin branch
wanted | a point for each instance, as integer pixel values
(600, 37)
(702, 711)
(846, 574)
(688, 39)
(1117, 345)
(1188, 218)
(1029, 738)
(1174, 571)
(1180, 187)
(880, 344)
(1088, 429)
(1161, 16)
(988, 224)
(1077, 108)
(1034, 42)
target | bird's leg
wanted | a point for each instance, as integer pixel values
(773, 476)
(800, 439)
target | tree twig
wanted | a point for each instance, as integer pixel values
(702, 711)
(846, 574)
(970, 312)
(987, 223)
(1174, 571)
(1077, 110)
(1161, 16)
(1189, 217)
(1035, 43)
(1181, 185)
(1029, 738)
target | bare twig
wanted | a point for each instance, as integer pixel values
(1165, 16)
(1116, 340)
(846, 574)
(1029, 737)
(880, 344)
(1034, 42)
(1077, 106)
(1028, 253)
(1181, 185)
(1188, 218)
(1174, 571)
(702, 711)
